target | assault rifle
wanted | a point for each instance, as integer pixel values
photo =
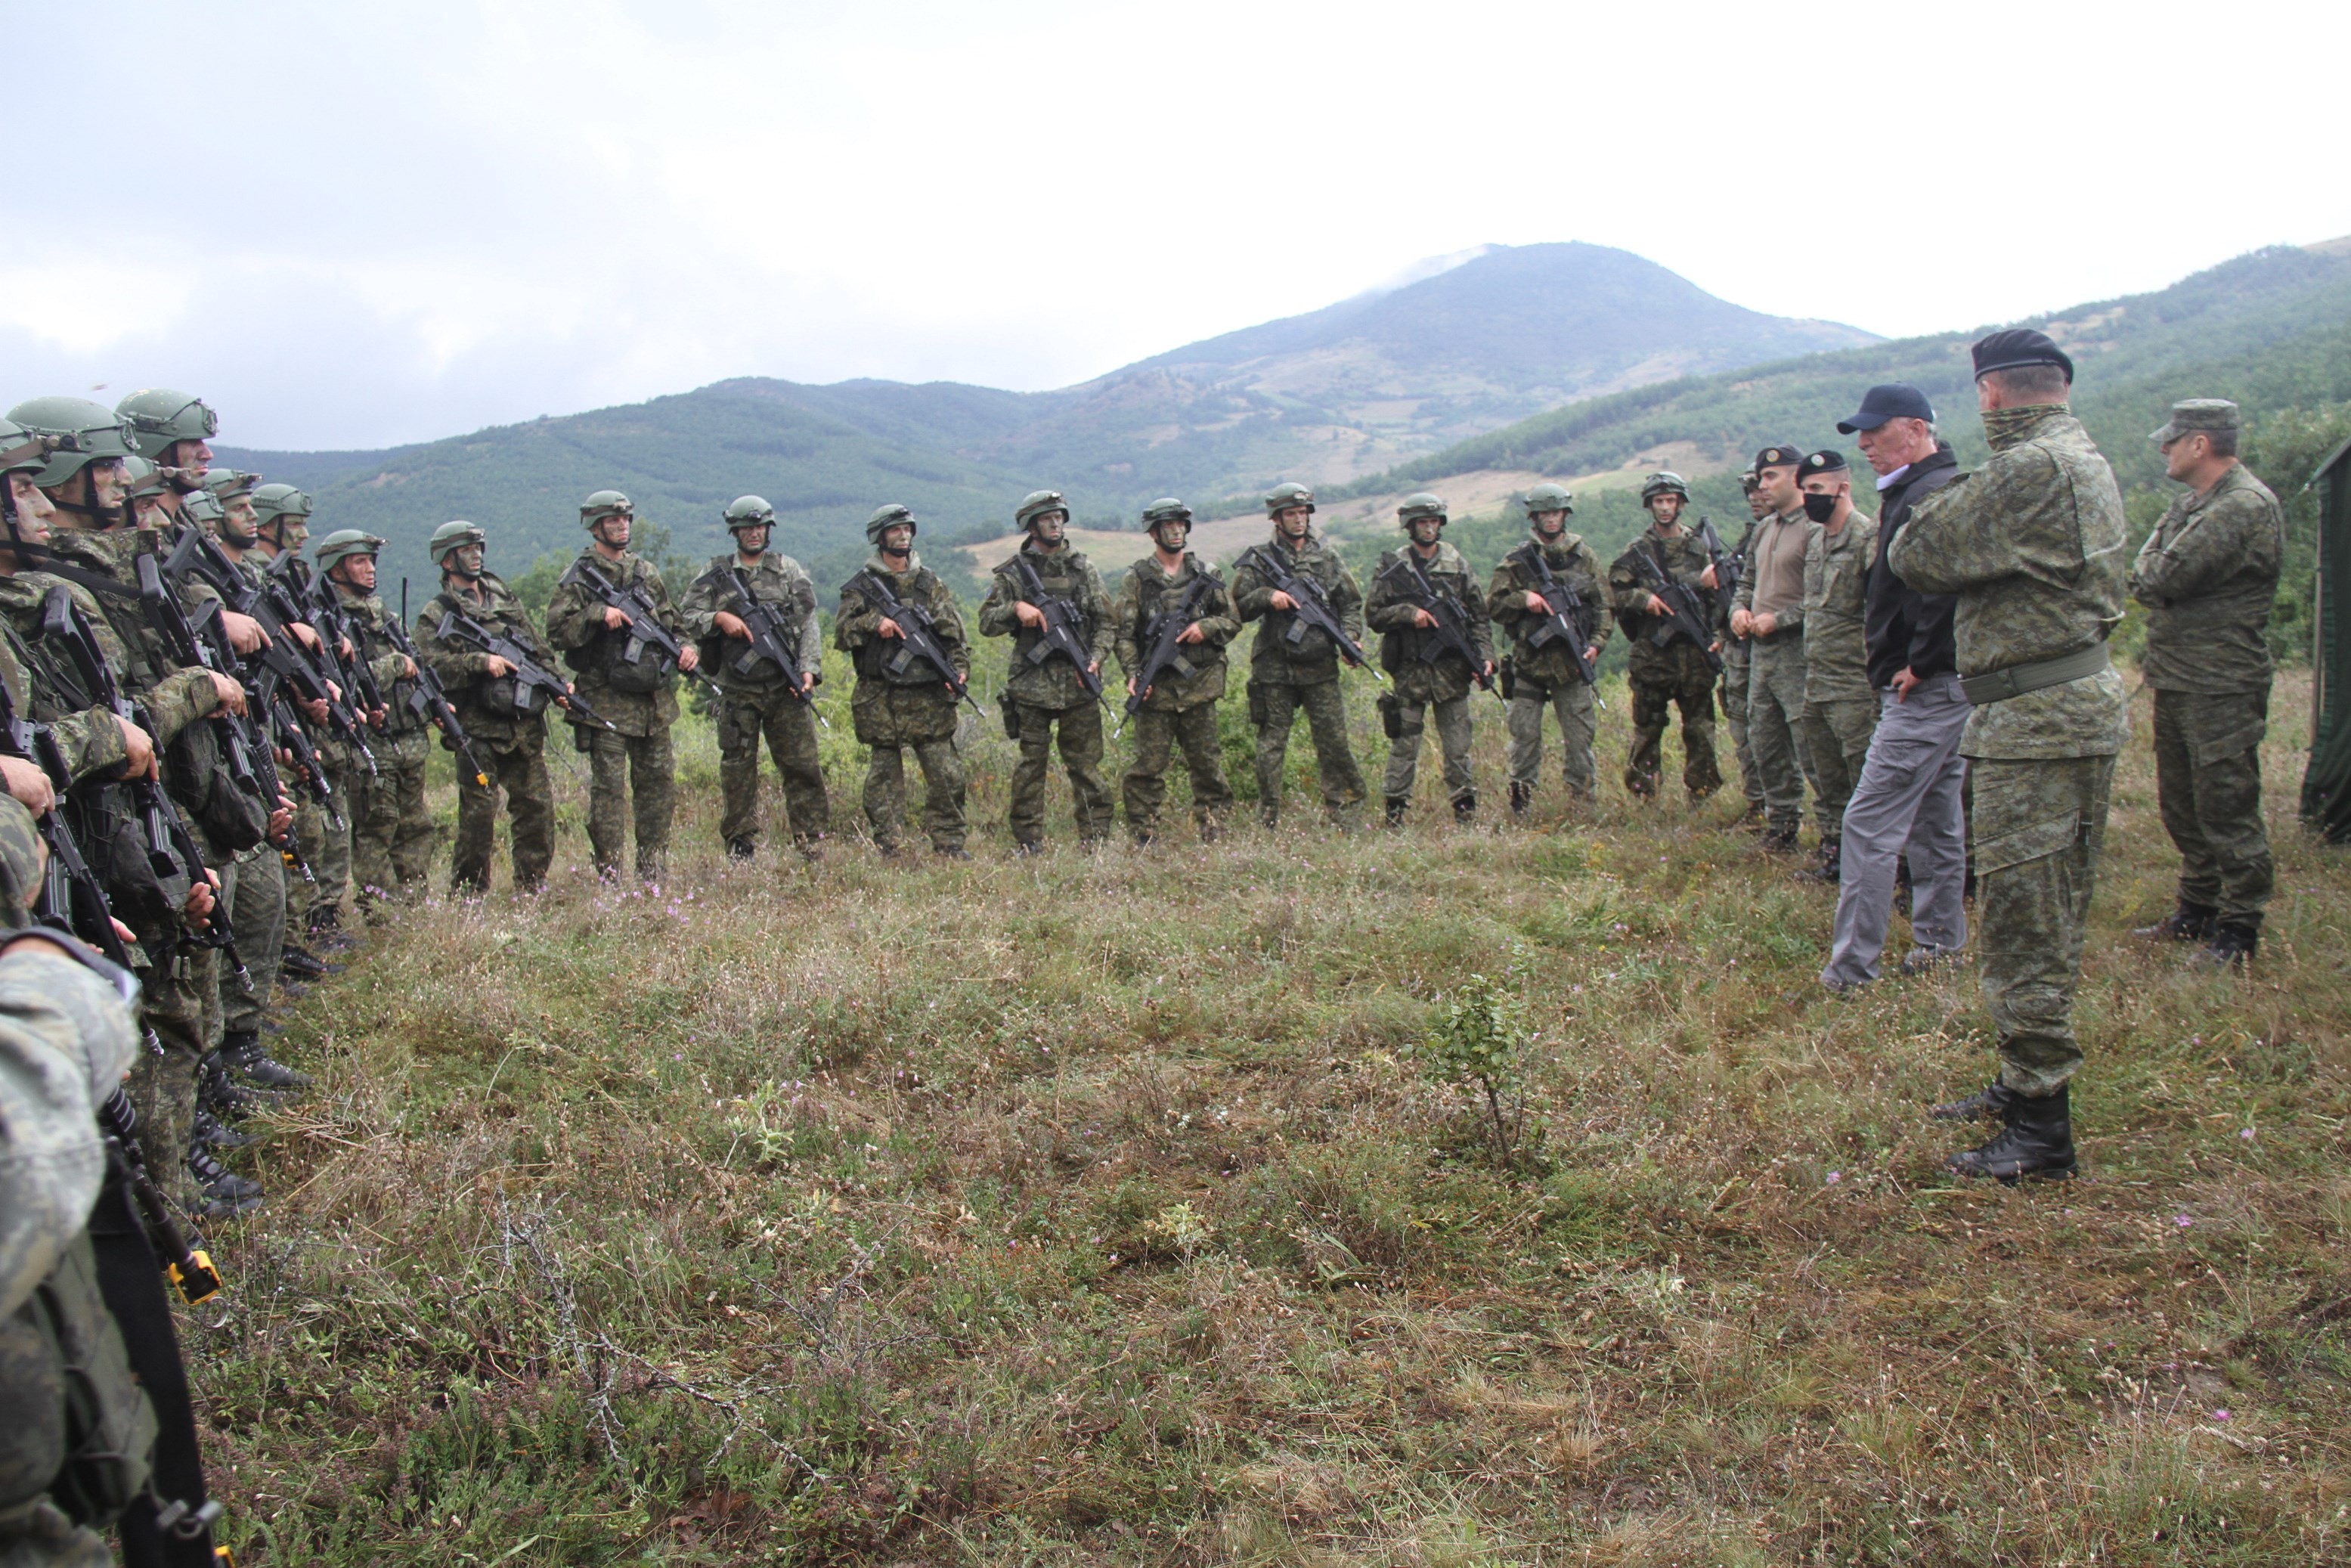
(273, 604)
(1165, 653)
(1684, 612)
(174, 858)
(72, 897)
(644, 630)
(529, 675)
(1451, 632)
(429, 700)
(921, 636)
(1570, 617)
(1313, 607)
(334, 625)
(771, 640)
(282, 588)
(1062, 634)
(1730, 565)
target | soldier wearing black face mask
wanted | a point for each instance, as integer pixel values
(1840, 711)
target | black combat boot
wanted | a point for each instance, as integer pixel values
(326, 930)
(2038, 1140)
(2188, 923)
(1778, 842)
(1465, 806)
(1396, 805)
(1830, 869)
(240, 1053)
(1991, 1100)
(2232, 947)
(223, 1095)
(1754, 819)
(1024, 847)
(1522, 800)
(225, 1193)
(741, 849)
(209, 1132)
(301, 964)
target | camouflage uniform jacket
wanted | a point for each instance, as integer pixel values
(1144, 594)
(1685, 561)
(1575, 563)
(575, 623)
(1066, 574)
(2031, 545)
(2207, 575)
(174, 697)
(368, 617)
(775, 579)
(1388, 610)
(89, 741)
(856, 628)
(463, 669)
(1836, 584)
(1312, 660)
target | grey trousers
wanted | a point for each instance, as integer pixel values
(1908, 802)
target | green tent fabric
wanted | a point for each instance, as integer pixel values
(2327, 786)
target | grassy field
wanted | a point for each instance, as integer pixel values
(1100, 1210)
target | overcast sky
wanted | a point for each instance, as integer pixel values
(353, 226)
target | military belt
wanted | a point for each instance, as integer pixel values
(2015, 679)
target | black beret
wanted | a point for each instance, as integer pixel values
(1780, 456)
(1828, 461)
(2016, 347)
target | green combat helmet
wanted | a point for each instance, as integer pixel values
(1166, 509)
(882, 518)
(749, 512)
(1281, 497)
(343, 544)
(271, 502)
(1418, 505)
(1549, 499)
(161, 419)
(605, 504)
(203, 506)
(225, 485)
(449, 535)
(86, 433)
(1665, 482)
(1037, 504)
(21, 450)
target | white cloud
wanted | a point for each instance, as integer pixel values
(378, 223)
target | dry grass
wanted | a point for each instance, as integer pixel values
(1084, 1210)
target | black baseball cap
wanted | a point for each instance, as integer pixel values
(1892, 399)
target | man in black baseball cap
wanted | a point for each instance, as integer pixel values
(1891, 400)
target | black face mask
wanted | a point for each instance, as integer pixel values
(1819, 507)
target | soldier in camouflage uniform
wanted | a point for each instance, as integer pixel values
(1840, 711)
(911, 705)
(392, 833)
(1421, 684)
(2207, 575)
(1550, 677)
(759, 695)
(1179, 708)
(1739, 660)
(1770, 615)
(1041, 700)
(2031, 545)
(1284, 676)
(629, 752)
(1675, 671)
(508, 740)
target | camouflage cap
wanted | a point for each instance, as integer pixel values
(1166, 509)
(1666, 482)
(1418, 505)
(1281, 497)
(343, 544)
(20, 863)
(2190, 415)
(886, 516)
(1547, 498)
(1037, 503)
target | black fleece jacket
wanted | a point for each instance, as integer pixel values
(1903, 627)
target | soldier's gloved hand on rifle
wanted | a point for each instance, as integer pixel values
(27, 782)
(244, 632)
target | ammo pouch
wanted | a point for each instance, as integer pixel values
(1391, 715)
(1011, 711)
(117, 850)
(79, 1427)
(1256, 704)
(506, 698)
(1506, 677)
(196, 774)
(641, 676)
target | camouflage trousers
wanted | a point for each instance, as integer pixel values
(1452, 717)
(1775, 701)
(1677, 677)
(1157, 734)
(327, 846)
(1836, 734)
(392, 833)
(2208, 778)
(1578, 721)
(2039, 827)
(1273, 706)
(790, 726)
(520, 773)
(162, 1088)
(252, 887)
(942, 790)
(1080, 731)
(625, 771)
(1737, 660)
